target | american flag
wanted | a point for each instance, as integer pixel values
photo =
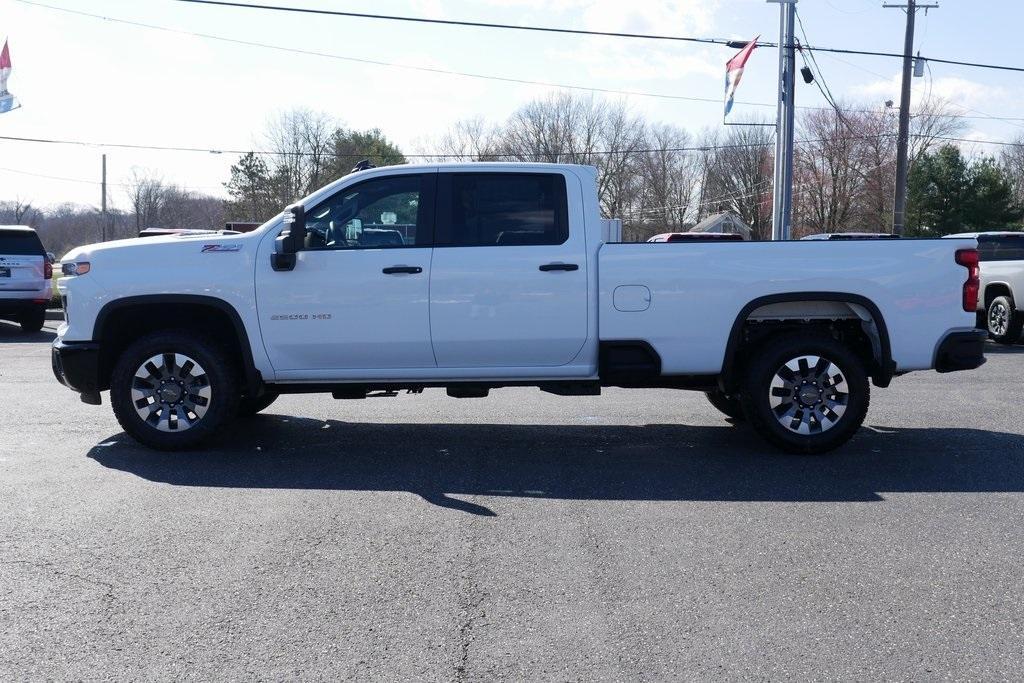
(734, 72)
(7, 100)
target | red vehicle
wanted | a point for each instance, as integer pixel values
(697, 237)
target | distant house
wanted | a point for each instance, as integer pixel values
(723, 222)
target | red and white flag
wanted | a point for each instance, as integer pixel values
(734, 72)
(7, 100)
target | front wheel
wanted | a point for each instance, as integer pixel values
(806, 393)
(172, 390)
(1004, 322)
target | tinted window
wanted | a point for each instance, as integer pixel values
(1001, 248)
(381, 213)
(20, 243)
(502, 209)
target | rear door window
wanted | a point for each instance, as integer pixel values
(501, 209)
(20, 243)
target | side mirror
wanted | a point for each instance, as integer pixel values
(291, 240)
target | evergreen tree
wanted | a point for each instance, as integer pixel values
(946, 194)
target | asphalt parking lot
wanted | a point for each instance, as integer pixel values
(635, 536)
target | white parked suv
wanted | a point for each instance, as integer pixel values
(477, 276)
(1001, 304)
(25, 277)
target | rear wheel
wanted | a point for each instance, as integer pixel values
(1004, 322)
(727, 404)
(32, 320)
(172, 390)
(806, 393)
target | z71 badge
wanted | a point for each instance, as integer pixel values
(221, 247)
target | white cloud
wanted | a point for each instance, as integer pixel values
(958, 90)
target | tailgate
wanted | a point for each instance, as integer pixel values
(21, 273)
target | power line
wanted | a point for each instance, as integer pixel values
(84, 181)
(421, 155)
(449, 72)
(552, 29)
(451, 22)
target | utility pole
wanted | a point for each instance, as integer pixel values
(103, 202)
(899, 209)
(782, 201)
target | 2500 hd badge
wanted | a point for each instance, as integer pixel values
(301, 316)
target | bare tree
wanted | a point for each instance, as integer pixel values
(468, 140)
(146, 194)
(1012, 160)
(301, 143)
(670, 175)
(934, 119)
(737, 173)
(19, 211)
(827, 172)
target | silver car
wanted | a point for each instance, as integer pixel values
(25, 277)
(1002, 283)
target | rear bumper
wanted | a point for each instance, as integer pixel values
(961, 351)
(12, 307)
(76, 365)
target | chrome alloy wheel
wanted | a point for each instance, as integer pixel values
(998, 319)
(808, 395)
(171, 392)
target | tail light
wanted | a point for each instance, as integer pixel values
(48, 270)
(968, 258)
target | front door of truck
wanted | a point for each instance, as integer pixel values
(358, 297)
(508, 285)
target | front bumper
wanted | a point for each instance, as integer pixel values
(76, 365)
(961, 351)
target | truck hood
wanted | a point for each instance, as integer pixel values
(162, 246)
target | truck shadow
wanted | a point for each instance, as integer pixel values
(653, 462)
(1000, 349)
(10, 333)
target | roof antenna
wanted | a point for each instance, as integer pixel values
(363, 165)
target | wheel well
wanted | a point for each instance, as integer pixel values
(120, 324)
(994, 290)
(851, 320)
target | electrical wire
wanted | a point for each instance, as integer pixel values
(445, 72)
(421, 155)
(551, 29)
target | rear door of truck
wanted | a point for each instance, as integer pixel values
(508, 281)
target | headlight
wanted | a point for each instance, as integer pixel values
(79, 268)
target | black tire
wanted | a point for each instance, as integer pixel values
(211, 374)
(250, 406)
(1003, 321)
(728, 405)
(32, 320)
(766, 404)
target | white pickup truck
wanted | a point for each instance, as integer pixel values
(478, 276)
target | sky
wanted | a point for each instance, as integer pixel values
(98, 80)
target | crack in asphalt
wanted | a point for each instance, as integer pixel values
(107, 586)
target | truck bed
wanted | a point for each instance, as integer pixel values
(697, 292)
